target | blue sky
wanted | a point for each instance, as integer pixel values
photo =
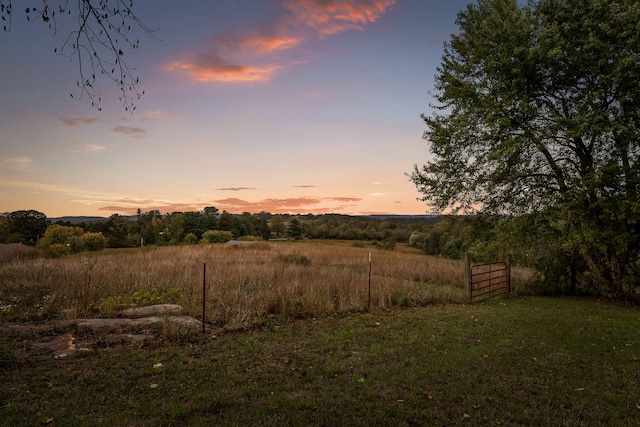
(286, 106)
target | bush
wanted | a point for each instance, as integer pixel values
(387, 244)
(191, 239)
(216, 236)
(94, 241)
(417, 239)
(60, 234)
(57, 250)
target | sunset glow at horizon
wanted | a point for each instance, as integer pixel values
(284, 106)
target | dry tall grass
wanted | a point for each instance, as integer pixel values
(244, 283)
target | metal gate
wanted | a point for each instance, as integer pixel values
(488, 280)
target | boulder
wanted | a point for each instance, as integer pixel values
(152, 310)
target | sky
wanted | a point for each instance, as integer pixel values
(282, 106)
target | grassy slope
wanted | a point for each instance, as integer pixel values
(532, 361)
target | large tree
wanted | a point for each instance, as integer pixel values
(30, 224)
(538, 114)
(102, 32)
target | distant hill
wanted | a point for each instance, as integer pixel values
(86, 219)
(421, 219)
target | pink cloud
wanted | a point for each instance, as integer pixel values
(261, 41)
(76, 121)
(210, 68)
(329, 17)
(129, 206)
(286, 205)
(255, 48)
(269, 205)
(163, 208)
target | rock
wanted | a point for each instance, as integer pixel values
(89, 325)
(152, 310)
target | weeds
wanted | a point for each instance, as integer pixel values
(294, 258)
(245, 283)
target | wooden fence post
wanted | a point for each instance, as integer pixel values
(467, 276)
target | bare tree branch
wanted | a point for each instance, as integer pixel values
(105, 30)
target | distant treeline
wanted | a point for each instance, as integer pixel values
(527, 239)
(209, 225)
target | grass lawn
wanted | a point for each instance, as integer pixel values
(512, 361)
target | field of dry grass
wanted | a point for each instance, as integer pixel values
(245, 283)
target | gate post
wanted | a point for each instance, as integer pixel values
(467, 276)
(508, 272)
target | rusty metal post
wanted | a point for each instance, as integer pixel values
(369, 299)
(204, 290)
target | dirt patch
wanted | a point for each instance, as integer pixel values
(68, 343)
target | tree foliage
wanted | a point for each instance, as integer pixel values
(29, 224)
(538, 114)
(207, 226)
(216, 236)
(103, 31)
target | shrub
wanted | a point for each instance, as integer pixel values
(191, 239)
(60, 234)
(94, 241)
(216, 236)
(387, 244)
(417, 239)
(57, 250)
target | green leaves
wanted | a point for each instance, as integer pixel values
(539, 109)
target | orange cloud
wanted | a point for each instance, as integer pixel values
(270, 205)
(287, 205)
(163, 208)
(235, 188)
(324, 17)
(293, 205)
(329, 17)
(209, 68)
(346, 199)
(261, 41)
(274, 43)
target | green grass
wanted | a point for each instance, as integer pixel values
(526, 361)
